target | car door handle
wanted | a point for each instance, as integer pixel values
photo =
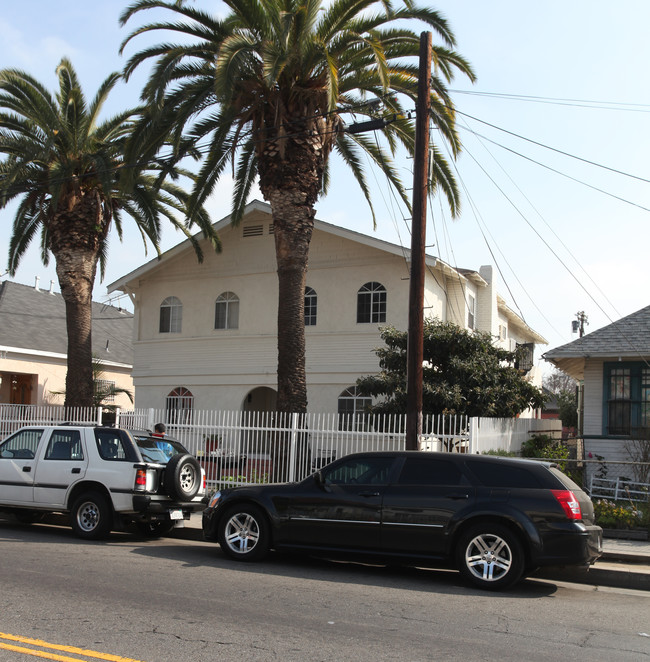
(76, 470)
(456, 497)
(368, 494)
(27, 469)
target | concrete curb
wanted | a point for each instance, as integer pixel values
(602, 573)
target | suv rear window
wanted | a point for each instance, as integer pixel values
(496, 474)
(159, 450)
(565, 480)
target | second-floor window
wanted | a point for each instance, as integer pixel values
(226, 311)
(171, 315)
(371, 303)
(471, 312)
(311, 306)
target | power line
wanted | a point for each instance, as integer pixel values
(577, 103)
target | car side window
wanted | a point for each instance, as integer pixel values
(493, 474)
(22, 445)
(64, 445)
(360, 471)
(110, 445)
(430, 471)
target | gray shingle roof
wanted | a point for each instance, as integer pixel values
(628, 337)
(35, 320)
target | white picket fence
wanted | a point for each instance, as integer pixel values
(241, 447)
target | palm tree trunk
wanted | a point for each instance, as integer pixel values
(76, 272)
(293, 226)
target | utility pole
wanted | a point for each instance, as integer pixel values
(415, 352)
(578, 325)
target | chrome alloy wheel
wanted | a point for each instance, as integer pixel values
(488, 557)
(242, 533)
(88, 516)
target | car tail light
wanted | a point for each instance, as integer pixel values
(141, 480)
(567, 499)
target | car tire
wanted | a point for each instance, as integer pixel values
(490, 556)
(182, 477)
(244, 533)
(154, 529)
(91, 516)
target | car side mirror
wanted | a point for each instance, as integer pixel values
(320, 481)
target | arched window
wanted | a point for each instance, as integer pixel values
(371, 303)
(353, 409)
(171, 315)
(311, 306)
(226, 311)
(179, 405)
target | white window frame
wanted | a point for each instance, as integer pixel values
(228, 302)
(372, 303)
(311, 306)
(171, 321)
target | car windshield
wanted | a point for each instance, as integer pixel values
(159, 450)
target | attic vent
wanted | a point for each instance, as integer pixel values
(271, 228)
(253, 230)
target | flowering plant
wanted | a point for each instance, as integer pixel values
(614, 515)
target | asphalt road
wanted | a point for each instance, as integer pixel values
(181, 600)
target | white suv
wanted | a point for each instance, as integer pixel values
(103, 477)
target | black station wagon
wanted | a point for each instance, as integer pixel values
(495, 519)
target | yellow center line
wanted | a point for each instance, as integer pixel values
(45, 654)
(58, 647)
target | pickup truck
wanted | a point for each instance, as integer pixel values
(104, 478)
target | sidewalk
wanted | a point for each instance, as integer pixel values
(624, 563)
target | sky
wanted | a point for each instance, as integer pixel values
(554, 171)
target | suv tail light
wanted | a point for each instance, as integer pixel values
(567, 499)
(141, 480)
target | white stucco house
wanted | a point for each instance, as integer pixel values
(612, 366)
(205, 333)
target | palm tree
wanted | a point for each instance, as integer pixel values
(66, 170)
(266, 90)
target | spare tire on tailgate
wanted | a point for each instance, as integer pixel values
(182, 478)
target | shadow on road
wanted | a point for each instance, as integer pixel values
(199, 554)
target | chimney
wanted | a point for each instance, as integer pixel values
(37, 280)
(51, 287)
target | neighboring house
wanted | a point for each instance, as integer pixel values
(551, 409)
(612, 365)
(33, 345)
(205, 333)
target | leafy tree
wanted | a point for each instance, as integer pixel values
(558, 381)
(66, 169)
(568, 408)
(464, 373)
(266, 90)
(564, 388)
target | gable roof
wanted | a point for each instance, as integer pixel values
(265, 208)
(33, 319)
(629, 337)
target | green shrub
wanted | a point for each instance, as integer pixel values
(545, 447)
